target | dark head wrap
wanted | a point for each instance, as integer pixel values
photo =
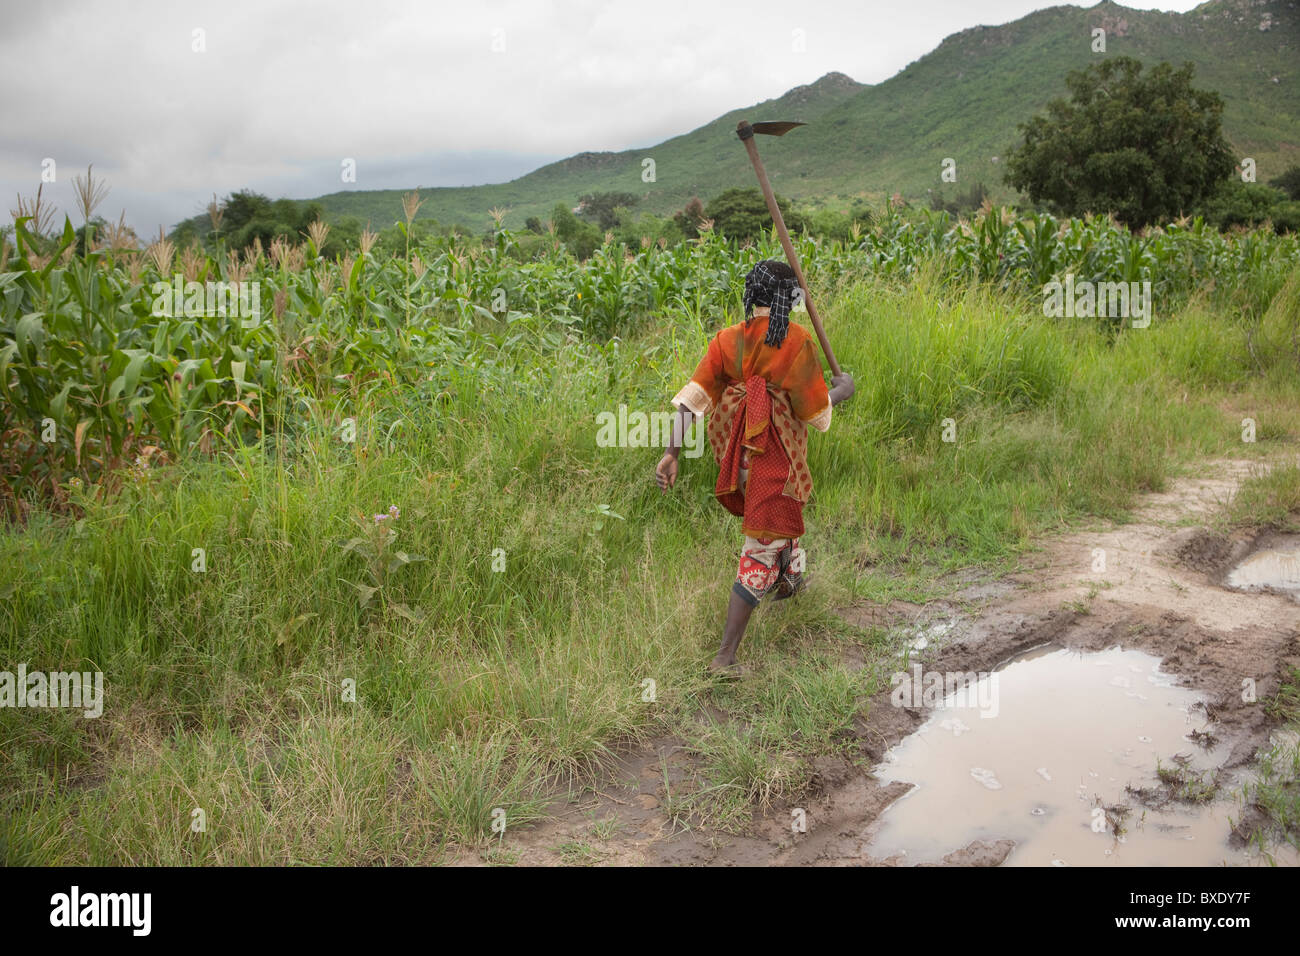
(772, 283)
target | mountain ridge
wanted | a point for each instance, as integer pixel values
(962, 100)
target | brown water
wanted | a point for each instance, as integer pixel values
(1274, 568)
(1065, 733)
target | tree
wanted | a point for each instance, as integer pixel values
(689, 218)
(742, 213)
(961, 204)
(284, 218)
(241, 208)
(580, 237)
(603, 208)
(98, 226)
(345, 234)
(1146, 148)
(565, 222)
(836, 224)
(647, 229)
(1235, 203)
(1289, 182)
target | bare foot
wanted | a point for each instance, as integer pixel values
(728, 670)
(789, 585)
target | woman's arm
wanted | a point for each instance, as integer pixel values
(666, 470)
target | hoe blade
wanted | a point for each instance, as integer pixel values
(776, 129)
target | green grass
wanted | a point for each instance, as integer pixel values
(1269, 500)
(579, 853)
(797, 708)
(1186, 785)
(1275, 792)
(479, 690)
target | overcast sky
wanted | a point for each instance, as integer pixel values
(275, 95)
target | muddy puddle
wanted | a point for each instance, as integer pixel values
(1059, 751)
(1276, 569)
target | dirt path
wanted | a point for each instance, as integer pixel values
(1161, 591)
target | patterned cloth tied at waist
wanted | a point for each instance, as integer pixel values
(754, 428)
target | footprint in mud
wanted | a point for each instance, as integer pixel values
(955, 725)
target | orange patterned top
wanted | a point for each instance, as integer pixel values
(795, 368)
(794, 376)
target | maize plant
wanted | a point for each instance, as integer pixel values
(119, 359)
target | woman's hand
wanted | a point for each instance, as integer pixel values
(666, 472)
(841, 387)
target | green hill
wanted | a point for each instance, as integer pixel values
(963, 101)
